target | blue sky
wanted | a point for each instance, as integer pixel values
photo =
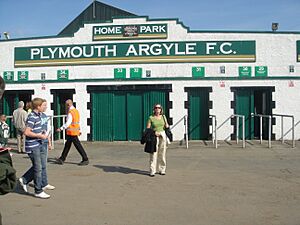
(34, 18)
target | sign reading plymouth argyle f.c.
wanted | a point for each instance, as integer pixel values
(133, 53)
(139, 31)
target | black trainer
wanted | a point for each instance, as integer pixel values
(59, 161)
(83, 163)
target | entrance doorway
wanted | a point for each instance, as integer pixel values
(10, 102)
(256, 100)
(11, 98)
(59, 108)
(120, 113)
(198, 106)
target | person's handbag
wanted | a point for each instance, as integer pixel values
(168, 131)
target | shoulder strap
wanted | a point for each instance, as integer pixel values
(164, 119)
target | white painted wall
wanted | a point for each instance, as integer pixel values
(275, 50)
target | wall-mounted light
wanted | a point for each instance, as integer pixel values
(222, 69)
(6, 35)
(275, 26)
(291, 68)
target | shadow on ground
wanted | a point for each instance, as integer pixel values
(121, 169)
(54, 161)
(20, 191)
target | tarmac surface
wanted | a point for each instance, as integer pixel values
(202, 186)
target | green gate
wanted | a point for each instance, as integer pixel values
(198, 113)
(122, 115)
(10, 102)
(11, 99)
(256, 100)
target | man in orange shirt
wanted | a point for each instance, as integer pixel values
(73, 131)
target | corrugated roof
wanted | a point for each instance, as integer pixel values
(94, 12)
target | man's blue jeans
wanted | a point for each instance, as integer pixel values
(38, 158)
(44, 157)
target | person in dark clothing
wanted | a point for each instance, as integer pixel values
(8, 179)
(7, 173)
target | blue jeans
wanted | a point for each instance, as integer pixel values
(44, 155)
(37, 171)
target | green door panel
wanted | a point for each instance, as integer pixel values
(198, 113)
(8, 109)
(10, 102)
(7, 105)
(149, 100)
(119, 117)
(267, 110)
(245, 106)
(134, 116)
(102, 112)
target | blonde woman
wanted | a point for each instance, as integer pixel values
(158, 122)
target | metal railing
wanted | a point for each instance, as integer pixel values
(51, 118)
(52, 132)
(237, 128)
(185, 122)
(186, 136)
(51, 128)
(261, 125)
(214, 130)
(9, 117)
(214, 127)
(293, 128)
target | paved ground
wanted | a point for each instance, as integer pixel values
(203, 186)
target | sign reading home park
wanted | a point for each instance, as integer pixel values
(133, 53)
(140, 31)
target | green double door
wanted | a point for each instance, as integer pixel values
(11, 99)
(253, 101)
(10, 102)
(198, 113)
(122, 115)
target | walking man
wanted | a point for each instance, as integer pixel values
(34, 137)
(73, 131)
(19, 120)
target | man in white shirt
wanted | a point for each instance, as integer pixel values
(73, 131)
